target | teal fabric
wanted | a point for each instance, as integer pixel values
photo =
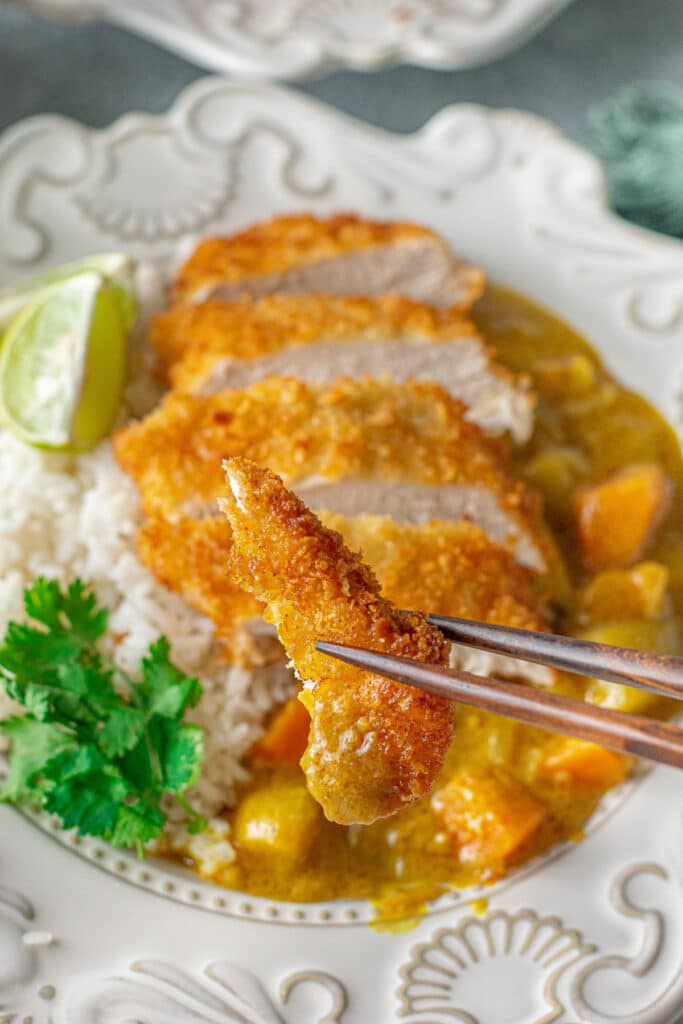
(638, 135)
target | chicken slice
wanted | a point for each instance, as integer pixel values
(316, 338)
(340, 255)
(354, 447)
(462, 573)
(374, 745)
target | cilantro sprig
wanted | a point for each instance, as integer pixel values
(95, 747)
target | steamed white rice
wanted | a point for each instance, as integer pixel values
(64, 516)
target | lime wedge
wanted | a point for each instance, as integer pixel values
(62, 364)
(117, 266)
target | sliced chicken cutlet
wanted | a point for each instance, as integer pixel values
(374, 745)
(354, 447)
(317, 338)
(461, 572)
(340, 255)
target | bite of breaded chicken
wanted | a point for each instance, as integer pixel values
(462, 573)
(218, 345)
(374, 745)
(453, 569)
(340, 255)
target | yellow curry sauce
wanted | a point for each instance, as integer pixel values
(587, 427)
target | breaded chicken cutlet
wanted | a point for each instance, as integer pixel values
(374, 745)
(462, 573)
(353, 447)
(316, 338)
(339, 255)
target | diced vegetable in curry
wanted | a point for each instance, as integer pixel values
(490, 815)
(615, 520)
(610, 473)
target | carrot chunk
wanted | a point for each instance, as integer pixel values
(615, 520)
(585, 764)
(490, 815)
(285, 739)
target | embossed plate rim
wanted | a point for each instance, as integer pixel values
(305, 49)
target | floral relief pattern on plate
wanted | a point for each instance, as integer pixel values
(301, 38)
(155, 992)
(196, 187)
(445, 973)
(535, 968)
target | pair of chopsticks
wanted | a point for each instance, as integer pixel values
(618, 730)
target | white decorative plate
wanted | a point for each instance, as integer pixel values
(593, 933)
(299, 38)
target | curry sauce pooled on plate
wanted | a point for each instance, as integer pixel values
(482, 463)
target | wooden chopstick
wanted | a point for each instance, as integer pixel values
(658, 673)
(627, 734)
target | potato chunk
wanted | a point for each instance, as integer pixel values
(637, 593)
(490, 815)
(615, 520)
(661, 635)
(585, 764)
(282, 820)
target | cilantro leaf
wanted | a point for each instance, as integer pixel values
(166, 690)
(136, 824)
(26, 651)
(43, 603)
(95, 747)
(88, 622)
(34, 744)
(74, 611)
(89, 802)
(140, 763)
(123, 729)
(181, 754)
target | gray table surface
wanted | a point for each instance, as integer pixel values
(94, 72)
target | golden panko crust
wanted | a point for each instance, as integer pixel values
(276, 245)
(444, 568)
(369, 428)
(246, 329)
(461, 572)
(374, 745)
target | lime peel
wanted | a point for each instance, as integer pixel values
(62, 364)
(117, 266)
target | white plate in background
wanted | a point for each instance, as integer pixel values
(592, 932)
(292, 39)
